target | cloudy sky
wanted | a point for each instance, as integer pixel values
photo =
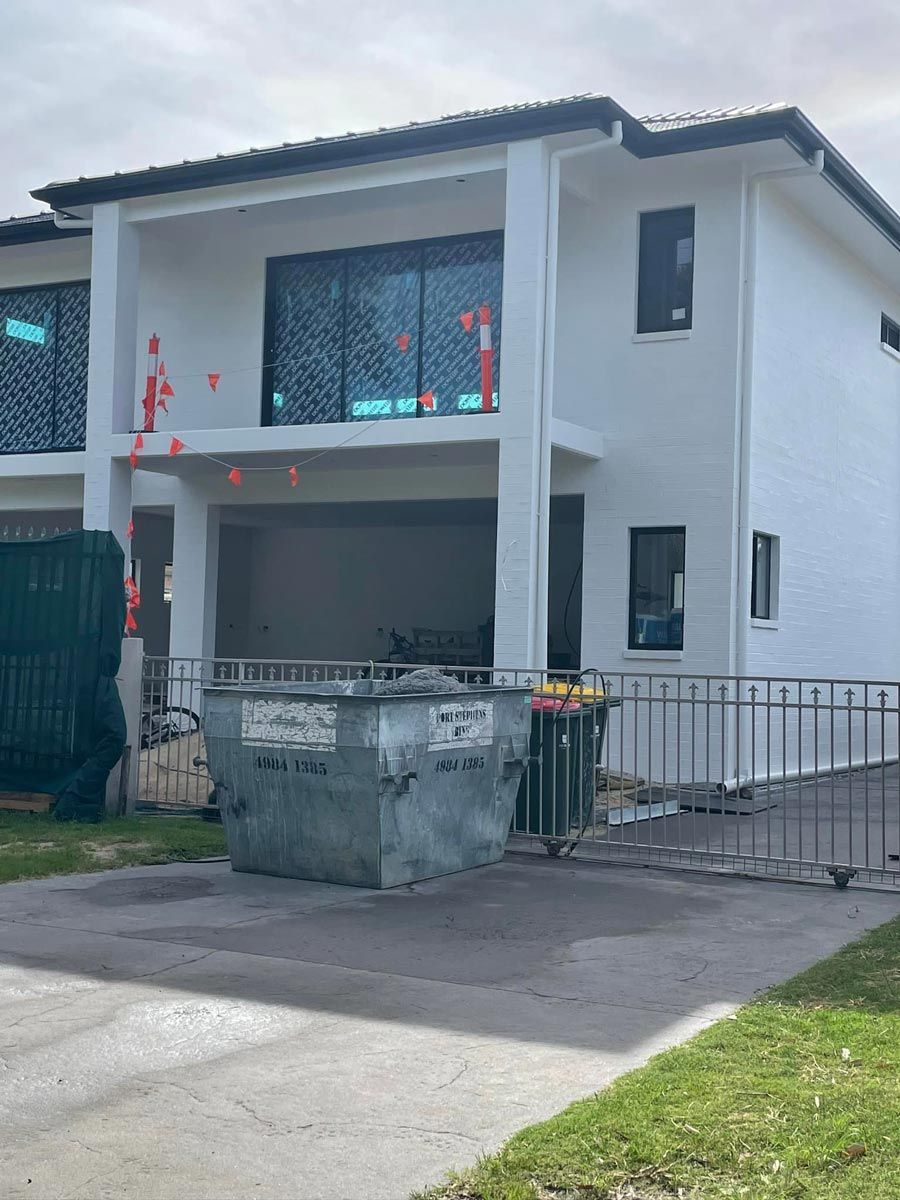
(91, 86)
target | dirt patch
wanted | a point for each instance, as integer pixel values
(109, 851)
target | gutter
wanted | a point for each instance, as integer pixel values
(539, 651)
(64, 220)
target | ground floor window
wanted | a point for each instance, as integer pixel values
(764, 581)
(656, 593)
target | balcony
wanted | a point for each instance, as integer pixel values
(43, 368)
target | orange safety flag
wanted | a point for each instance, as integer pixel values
(139, 442)
(175, 446)
(402, 340)
(162, 404)
(295, 478)
(162, 368)
(234, 477)
(166, 389)
(214, 378)
(427, 400)
(130, 623)
(466, 320)
(132, 458)
(129, 530)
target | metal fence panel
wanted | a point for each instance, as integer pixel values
(793, 778)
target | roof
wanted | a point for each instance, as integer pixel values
(684, 120)
(38, 227)
(647, 137)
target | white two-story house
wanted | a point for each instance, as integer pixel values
(545, 384)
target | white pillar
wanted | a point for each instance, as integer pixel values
(195, 574)
(111, 368)
(520, 635)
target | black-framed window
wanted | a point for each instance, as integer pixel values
(764, 577)
(890, 332)
(656, 589)
(666, 270)
(43, 367)
(359, 335)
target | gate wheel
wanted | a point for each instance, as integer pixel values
(841, 876)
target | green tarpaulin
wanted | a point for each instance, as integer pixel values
(62, 611)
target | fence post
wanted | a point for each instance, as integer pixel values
(128, 681)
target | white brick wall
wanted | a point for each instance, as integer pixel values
(826, 453)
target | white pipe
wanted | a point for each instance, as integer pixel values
(63, 221)
(539, 633)
(729, 787)
(744, 421)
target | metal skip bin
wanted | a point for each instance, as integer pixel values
(333, 782)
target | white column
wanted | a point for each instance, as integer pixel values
(195, 574)
(111, 368)
(520, 635)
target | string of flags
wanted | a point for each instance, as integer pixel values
(159, 391)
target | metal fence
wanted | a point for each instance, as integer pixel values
(794, 778)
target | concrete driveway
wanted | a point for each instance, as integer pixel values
(184, 1031)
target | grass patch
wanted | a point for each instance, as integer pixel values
(796, 1098)
(33, 845)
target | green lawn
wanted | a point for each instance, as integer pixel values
(33, 845)
(796, 1097)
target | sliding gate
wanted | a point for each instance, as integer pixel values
(789, 778)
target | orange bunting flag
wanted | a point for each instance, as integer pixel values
(139, 442)
(166, 389)
(130, 623)
(234, 477)
(174, 446)
(466, 320)
(129, 530)
(130, 587)
(402, 340)
(295, 478)
(427, 400)
(214, 378)
(162, 368)
(162, 404)
(132, 458)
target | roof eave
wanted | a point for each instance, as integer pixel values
(364, 150)
(30, 232)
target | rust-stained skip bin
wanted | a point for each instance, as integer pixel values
(328, 781)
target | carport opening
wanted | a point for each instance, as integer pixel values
(357, 581)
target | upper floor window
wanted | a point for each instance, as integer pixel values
(890, 333)
(43, 367)
(359, 335)
(656, 591)
(666, 270)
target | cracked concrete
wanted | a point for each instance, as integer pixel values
(186, 1031)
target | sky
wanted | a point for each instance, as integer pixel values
(92, 86)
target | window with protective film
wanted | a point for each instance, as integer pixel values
(361, 335)
(43, 368)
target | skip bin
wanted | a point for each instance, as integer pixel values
(329, 781)
(567, 732)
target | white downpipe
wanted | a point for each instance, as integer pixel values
(539, 632)
(745, 417)
(63, 221)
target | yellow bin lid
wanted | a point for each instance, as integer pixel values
(559, 688)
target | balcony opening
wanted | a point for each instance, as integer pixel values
(361, 335)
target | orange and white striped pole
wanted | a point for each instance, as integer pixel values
(152, 376)
(487, 359)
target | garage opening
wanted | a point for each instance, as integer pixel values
(409, 581)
